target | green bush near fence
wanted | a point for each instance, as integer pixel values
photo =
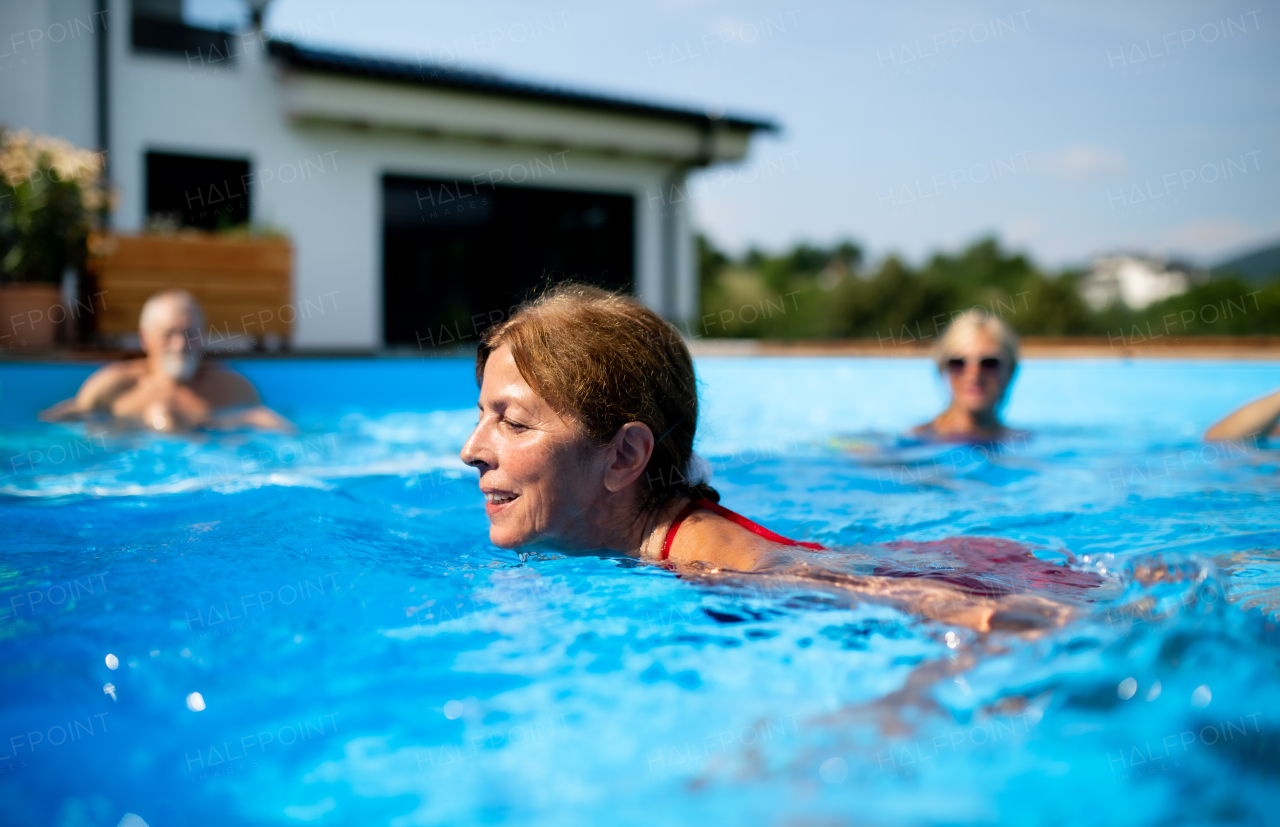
(811, 292)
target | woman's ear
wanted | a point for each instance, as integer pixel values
(629, 454)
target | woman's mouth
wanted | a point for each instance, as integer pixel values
(495, 501)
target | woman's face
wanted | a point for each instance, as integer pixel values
(537, 470)
(979, 371)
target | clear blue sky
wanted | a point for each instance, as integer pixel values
(1066, 129)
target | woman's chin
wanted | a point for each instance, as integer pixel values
(504, 540)
(978, 406)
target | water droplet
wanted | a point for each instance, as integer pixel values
(834, 770)
(1127, 687)
(1201, 696)
(195, 702)
(1154, 691)
(113, 662)
(453, 710)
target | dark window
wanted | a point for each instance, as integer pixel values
(196, 191)
(457, 257)
(157, 26)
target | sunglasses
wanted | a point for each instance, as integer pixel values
(988, 364)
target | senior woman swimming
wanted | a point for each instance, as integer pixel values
(978, 353)
(588, 409)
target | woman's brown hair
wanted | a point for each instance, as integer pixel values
(603, 360)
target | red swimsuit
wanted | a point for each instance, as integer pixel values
(716, 508)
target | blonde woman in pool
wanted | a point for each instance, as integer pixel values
(978, 355)
(587, 414)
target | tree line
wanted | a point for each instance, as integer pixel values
(834, 294)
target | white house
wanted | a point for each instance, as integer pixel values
(1133, 281)
(413, 194)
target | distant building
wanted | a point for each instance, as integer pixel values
(1134, 281)
(427, 197)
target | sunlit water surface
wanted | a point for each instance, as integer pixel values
(362, 654)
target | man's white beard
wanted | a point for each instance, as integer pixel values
(180, 366)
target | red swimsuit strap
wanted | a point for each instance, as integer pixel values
(732, 516)
(675, 526)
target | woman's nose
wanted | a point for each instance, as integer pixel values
(473, 452)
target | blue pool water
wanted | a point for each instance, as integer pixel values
(364, 656)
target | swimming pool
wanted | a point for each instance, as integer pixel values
(264, 630)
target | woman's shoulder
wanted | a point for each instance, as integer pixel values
(923, 429)
(928, 434)
(919, 435)
(706, 536)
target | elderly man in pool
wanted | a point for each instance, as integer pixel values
(172, 388)
(588, 408)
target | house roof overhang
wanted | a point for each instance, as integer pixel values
(330, 87)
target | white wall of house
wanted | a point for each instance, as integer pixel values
(47, 58)
(319, 145)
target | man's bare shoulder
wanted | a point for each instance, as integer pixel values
(225, 388)
(110, 380)
(96, 393)
(125, 367)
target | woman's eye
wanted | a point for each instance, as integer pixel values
(513, 424)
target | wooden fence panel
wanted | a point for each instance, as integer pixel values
(243, 284)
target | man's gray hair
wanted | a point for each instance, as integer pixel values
(152, 308)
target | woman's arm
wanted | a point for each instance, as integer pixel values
(1025, 614)
(711, 546)
(1257, 417)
